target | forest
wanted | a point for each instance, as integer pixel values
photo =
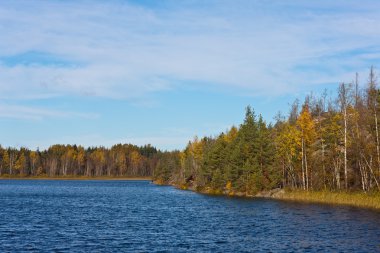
(70, 160)
(325, 143)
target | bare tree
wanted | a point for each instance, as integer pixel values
(344, 102)
(372, 94)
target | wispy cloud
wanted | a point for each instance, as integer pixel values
(37, 113)
(121, 50)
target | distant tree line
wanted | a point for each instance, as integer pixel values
(72, 160)
(324, 143)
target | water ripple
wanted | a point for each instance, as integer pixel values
(136, 216)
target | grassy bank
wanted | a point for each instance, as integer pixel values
(45, 177)
(358, 199)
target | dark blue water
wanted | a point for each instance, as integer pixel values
(136, 216)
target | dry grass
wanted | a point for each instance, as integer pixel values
(359, 199)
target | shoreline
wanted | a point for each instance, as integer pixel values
(363, 200)
(353, 199)
(78, 178)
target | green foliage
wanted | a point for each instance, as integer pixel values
(242, 159)
(168, 164)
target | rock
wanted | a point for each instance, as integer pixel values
(275, 193)
(278, 193)
(239, 194)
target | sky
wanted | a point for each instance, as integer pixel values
(161, 72)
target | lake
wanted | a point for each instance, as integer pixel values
(137, 216)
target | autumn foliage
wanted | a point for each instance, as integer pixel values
(326, 143)
(72, 160)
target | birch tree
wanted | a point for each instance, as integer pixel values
(344, 102)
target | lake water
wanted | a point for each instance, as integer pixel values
(137, 216)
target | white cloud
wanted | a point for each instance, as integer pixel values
(38, 113)
(120, 50)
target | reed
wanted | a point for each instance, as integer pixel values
(358, 199)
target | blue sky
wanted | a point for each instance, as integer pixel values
(161, 72)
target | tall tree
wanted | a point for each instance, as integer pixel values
(344, 102)
(5, 163)
(307, 129)
(20, 164)
(373, 97)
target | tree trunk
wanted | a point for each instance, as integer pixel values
(302, 168)
(306, 170)
(377, 141)
(345, 149)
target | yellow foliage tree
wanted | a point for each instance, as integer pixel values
(231, 135)
(135, 159)
(306, 127)
(33, 160)
(287, 142)
(20, 164)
